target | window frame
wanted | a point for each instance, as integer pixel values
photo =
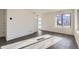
(62, 20)
(69, 20)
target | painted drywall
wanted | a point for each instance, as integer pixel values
(22, 23)
(2, 23)
(76, 32)
(78, 19)
(48, 22)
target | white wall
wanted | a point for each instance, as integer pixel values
(2, 23)
(49, 22)
(23, 23)
(76, 32)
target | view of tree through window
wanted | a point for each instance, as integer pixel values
(63, 20)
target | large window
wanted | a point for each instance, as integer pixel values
(63, 20)
(59, 20)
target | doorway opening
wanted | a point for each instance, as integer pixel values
(39, 19)
(39, 23)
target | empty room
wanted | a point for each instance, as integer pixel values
(39, 28)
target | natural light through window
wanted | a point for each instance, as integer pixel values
(63, 20)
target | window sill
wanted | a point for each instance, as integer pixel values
(63, 27)
(66, 26)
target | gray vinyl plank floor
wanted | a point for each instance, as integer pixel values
(68, 41)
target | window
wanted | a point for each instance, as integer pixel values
(63, 20)
(66, 19)
(59, 20)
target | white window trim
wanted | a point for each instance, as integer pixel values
(63, 25)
